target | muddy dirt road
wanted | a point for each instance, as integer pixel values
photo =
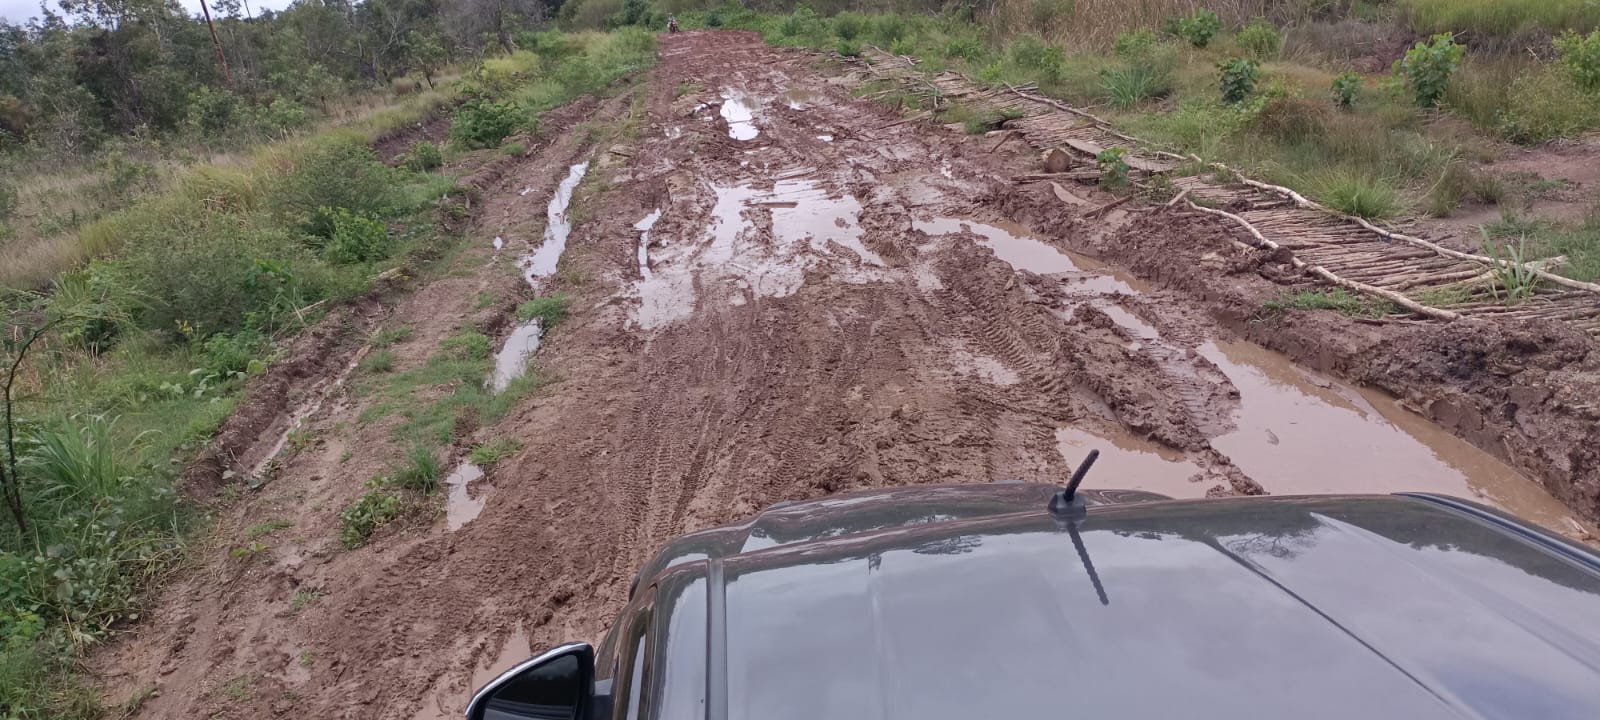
(779, 292)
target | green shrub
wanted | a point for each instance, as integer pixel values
(847, 48)
(903, 46)
(888, 29)
(1292, 120)
(849, 25)
(1238, 79)
(965, 48)
(211, 111)
(377, 507)
(1047, 14)
(283, 115)
(1428, 66)
(483, 123)
(1544, 105)
(1030, 52)
(1582, 57)
(802, 23)
(1198, 29)
(1260, 39)
(235, 353)
(339, 171)
(1345, 88)
(1134, 44)
(355, 239)
(424, 156)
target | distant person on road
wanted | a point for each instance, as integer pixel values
(672, 23)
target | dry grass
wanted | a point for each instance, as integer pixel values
(1096, 23)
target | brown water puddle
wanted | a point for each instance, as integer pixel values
(810, 226)
(739, 110)
(1129, 463)
(1299, 432)
(460, 505)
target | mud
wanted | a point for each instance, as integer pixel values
(798, 317)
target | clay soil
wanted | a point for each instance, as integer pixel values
(831, 300)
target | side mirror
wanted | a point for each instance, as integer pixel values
(557, 685)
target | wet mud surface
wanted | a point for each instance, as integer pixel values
(778, 292)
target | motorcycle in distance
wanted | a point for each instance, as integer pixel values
(672, 23)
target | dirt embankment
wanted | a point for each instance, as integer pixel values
(829, 299)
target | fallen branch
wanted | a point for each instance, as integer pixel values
(1069, 175)
(1107, 207)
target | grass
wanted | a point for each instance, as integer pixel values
(303, 598)
(549, 310)
(1337, 300)
(381, 361)
(1357, 193)
(389, 336)
(494, 451)
(1500, 18)
(421, 471)
(255, 532)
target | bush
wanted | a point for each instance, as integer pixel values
(847, 48)
(1134, 44)
(1260, 39)
(966, 48)
(483, 123)
(1030, 52)
(424, 156)
(1544, 105)
(1345, 87)
(1198, 28)
(1238, 79)
(336, 172)
(849, 25)
(210, 111)
(1582, 58)
(283, 115)
(355, 239)
(1292, 120)
(888, 29)
(1113, 167)
(1427, 67)
(903, 46)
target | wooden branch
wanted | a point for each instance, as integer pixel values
(1107, 207)
(1325, 274)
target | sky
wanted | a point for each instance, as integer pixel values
(19, 10)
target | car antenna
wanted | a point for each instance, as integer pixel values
(1069, 509)
(1066, 503)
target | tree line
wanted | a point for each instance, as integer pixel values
(88, 70)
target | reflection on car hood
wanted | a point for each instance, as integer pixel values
(1368, 607)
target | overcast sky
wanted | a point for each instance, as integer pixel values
(20, 10)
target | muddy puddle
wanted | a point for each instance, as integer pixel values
(1294, 431)
(512, 360)
(461, 507)
(542, 262)
(810, 226)
(739, 111)
(1300, 432)
(297, 419)
(643, 226)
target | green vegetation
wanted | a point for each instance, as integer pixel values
(494, 451)
(1428, 66)
(269, 527)
(1512, 280)
(1500, 18)
(1113, 167)
(161, 307)
(1358, 194)
(1198, 28)
(375, 508)
(1345, 88)
(302, 598)
(1238, 79)
(1260, 39)
(549, 311)
(1337, 300)
(1582, 57)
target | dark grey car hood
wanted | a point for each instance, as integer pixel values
(1370, 607)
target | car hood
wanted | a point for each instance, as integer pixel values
(1252, 608)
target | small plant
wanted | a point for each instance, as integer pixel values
(267, 528)
(377, 507)
(1338, 300)
(847, 48)
(1510, 274)
(965, 48)
(482, 123)
(1134, 44)
(903, 46)
(248, 552)
(1260, 39)
(1428, 67)
(1031, 52)
(1345, 88)
(355, 238)
(1238, 79)
(1113, 167)
(421, 471)
(381, 361)
(424, 156)
(1581, 54)
(549, 311)
(302, 598)
(514, 149)
(1198, 28)
(390, 335)
(307, 658)
(493, 452)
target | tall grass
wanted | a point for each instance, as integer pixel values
(1500, 18)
